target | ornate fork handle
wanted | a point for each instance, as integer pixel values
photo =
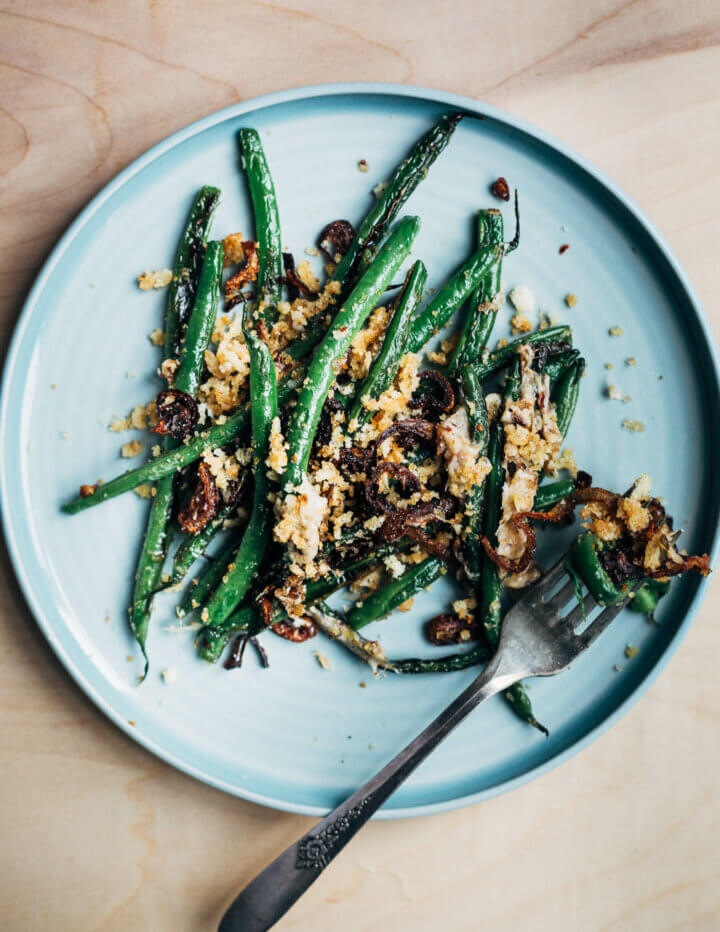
(273, 892)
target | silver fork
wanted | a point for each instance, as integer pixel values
(536, 640)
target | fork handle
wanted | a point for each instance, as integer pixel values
(271, 894)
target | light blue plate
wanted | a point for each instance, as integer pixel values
(297, 737)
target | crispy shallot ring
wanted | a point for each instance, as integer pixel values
(434, 547)
(700, 563)
(432, 405)
(522, 562)
(177, 412)
(335, 238)
(203, 504)
(409, 483)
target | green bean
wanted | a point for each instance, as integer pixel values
(384, 368)
(451, 663)
(557, 365)
(156, 540)
(473, 337)
(153, 551)
(491, 587)
(452, 294)
(483, 309)
(169, 463)
(647, 597)
(201, 323)
(186, 269)
(406, 178)
(503, 357)
(335, 344)
(203, 585)
(258, 532)
(566, 394)
(583, 558)
(394, 593)
(552, 493)
(474, 502)
(267, 223)
(335, 626)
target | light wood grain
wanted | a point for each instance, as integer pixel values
(95, 834)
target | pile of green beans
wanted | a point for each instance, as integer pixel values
(248, 566)
(198, 278)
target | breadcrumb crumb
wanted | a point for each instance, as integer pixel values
(634, 427)
(520, 324)
(132, 448)
(522, 299)
(158, 278)
(571, 299)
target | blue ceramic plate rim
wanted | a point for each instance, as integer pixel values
(15, 546)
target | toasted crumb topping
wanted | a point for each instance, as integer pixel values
(233, 252)
(277, 458)
(464, 608)
(141, 417)
(394, 400)
(532, 444)
(226, 468)
(566, 460)
(366, 344)
(571, 300)
(616, 332)
(158, 278)
(146, 490)
(157, 337)
(609, 522)
(307, 276)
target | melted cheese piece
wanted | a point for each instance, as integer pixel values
(466, 466)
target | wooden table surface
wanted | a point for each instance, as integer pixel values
(95, 833)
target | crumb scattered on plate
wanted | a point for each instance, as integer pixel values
(158, 278)
(322, 660)
(634, 427)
